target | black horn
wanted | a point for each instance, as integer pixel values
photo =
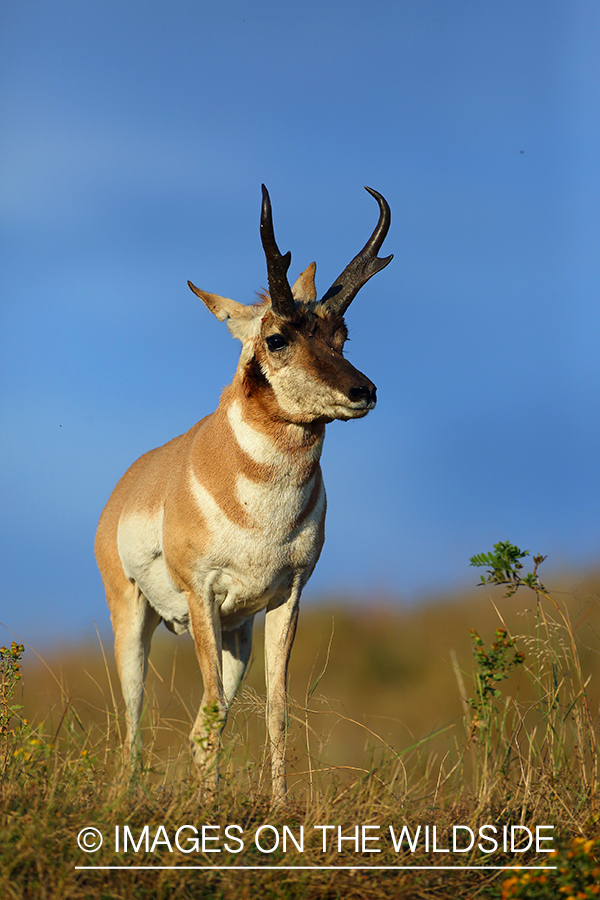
(345, 288)
(282, 301)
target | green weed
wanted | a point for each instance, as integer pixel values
(10, 676)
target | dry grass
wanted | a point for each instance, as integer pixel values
(381, 733)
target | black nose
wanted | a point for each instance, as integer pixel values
(364, 392)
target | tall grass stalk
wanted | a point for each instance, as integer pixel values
(546, 737)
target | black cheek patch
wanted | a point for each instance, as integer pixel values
(253, 380)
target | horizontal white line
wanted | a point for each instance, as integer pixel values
(304, 868)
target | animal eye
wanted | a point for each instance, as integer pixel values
(276, 342)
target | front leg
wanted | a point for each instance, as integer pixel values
(205, 737)
(280, 630)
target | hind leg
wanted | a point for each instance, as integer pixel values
(237, 646)
(134, 622)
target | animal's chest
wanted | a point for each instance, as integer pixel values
(242, 554)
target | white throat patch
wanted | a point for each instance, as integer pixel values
(259, 446)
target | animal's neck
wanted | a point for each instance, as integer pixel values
(264, 434)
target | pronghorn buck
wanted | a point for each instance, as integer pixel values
(227, 520)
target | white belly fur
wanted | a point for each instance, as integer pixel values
(139, 541)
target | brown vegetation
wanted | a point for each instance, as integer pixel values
(389, 725)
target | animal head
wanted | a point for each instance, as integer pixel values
(292, 343)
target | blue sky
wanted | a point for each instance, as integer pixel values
(134, 139)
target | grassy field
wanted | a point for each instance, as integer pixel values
(398, 719)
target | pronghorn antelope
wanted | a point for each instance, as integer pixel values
(227, 519)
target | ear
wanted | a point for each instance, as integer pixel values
(242, 321)
(221, 307)
(304, 290)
